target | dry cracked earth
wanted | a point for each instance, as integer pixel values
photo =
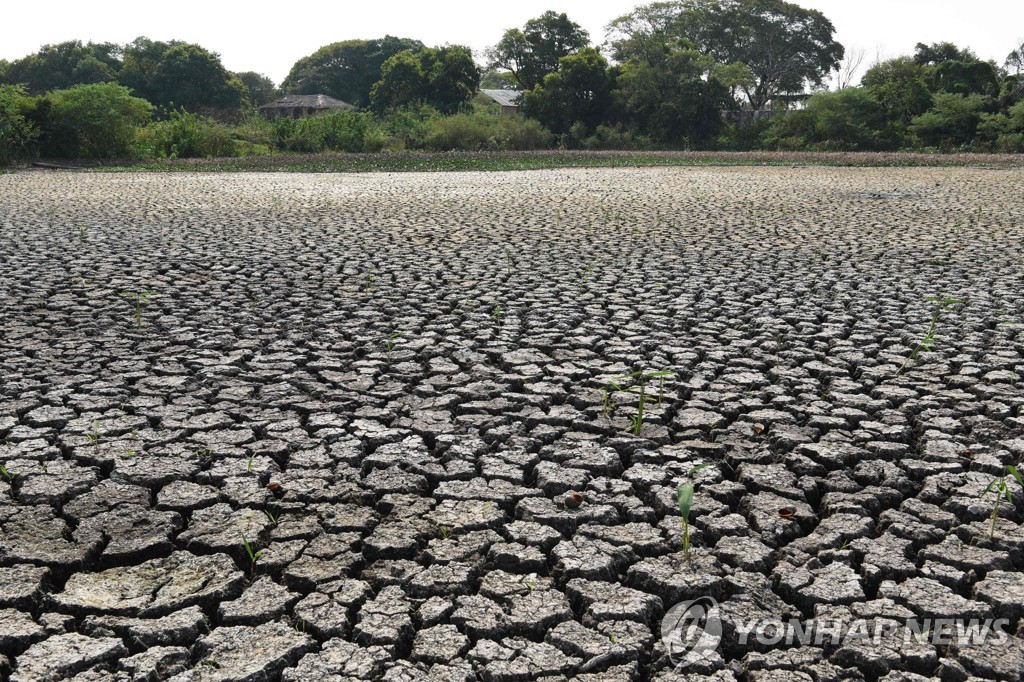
(362, 427)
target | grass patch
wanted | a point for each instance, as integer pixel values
(402, 162)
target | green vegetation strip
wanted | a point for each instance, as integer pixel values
(508, 161)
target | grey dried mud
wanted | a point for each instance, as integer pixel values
(365, 426)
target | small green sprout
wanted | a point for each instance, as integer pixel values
(254, 555)
(640, 379)
(1001, 487)
(685, 499)
(141, 300)
(496, 313)
(7, 475)
(94, 434)
(390, 342)
(927, 343)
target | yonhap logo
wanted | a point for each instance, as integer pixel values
(691, 631)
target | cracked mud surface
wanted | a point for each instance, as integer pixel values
(387, 388)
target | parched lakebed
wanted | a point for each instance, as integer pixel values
(433, 426)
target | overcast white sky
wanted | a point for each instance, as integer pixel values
(269, 38)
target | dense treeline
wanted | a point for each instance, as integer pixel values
(705, 74)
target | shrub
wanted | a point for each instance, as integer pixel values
(343, 131)
(845, 120)
(485, 131)
(17, 133)
(93, 121)
(186, 135)
(951, 123)
(608, 137)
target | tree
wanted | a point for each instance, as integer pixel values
(578, 92)
(193, 78)
(847, 119)
(95, 121)
(956, 70)
(402, 82)
(345, 70)
(785, 46)
(535, 51)
(63, 65)
(445, 78)
(1014, 61)
(849, 66)
(259, 89)
(17, 132)
(646, 34)
(681, 98)
(140, 60)
(494, 79)
(900, 86)
(952, 121)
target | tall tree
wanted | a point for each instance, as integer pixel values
(533, 52)
(785, 46)
(956, 70)
(64, 65)
(900, 85)
(680, 98)
(578, 92)
(346, 70)
(192, 77)
(259, 89)
(445, 78)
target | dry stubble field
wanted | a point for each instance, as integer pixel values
(417, 362)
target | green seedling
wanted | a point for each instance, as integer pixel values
(445, 532)
(141, 300)
(508, 261)
(94, 434)
(130, 454)
(685, 499)
(204, 454)
(6, 475)
(496, 313)
(254, 555)
(1001, 488)
(927, 342)
(390, 342)
(248, 465)
(270, 517)
(640, 380)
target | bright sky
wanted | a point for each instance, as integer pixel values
(269, 38)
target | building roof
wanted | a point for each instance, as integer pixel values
(506, 98)
(307, 102)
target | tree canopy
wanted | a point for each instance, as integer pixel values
(445, 78)
(533, 52)
(785, 46)
(345, 70)
(63, 65)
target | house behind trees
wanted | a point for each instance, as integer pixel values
(302, 106)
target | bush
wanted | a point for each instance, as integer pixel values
(485, 132)
(17, 133)
(343, 131)
(951, 123)
(97, 121)
(608, 137)
(850, 119)
(185, 136)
